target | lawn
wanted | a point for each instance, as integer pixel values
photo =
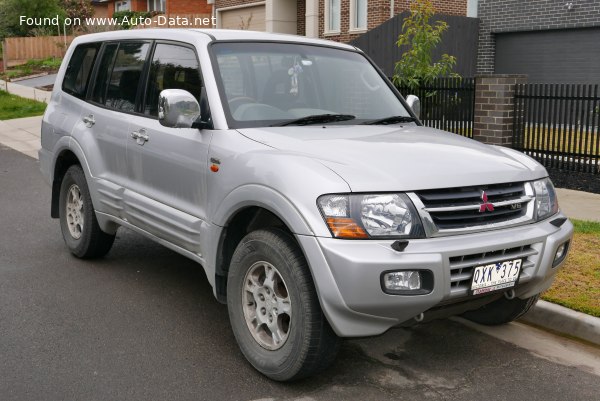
(576, 140)
(12, 106)
(577, 284)
(49, 65)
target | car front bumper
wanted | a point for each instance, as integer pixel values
(347, 273)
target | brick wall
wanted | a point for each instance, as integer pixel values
(378, 11)
(498, 16)
(494, 108)
(301, 18)
(188, 7)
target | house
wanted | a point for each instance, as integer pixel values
(339, 20)
(552, 41)
(104, 8)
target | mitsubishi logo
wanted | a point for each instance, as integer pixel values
(485, 206)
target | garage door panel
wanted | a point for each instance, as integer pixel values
(562, 56)
(250, 18)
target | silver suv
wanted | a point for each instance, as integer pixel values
(301, 181)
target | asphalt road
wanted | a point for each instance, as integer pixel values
(142, 324)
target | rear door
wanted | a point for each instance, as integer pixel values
(106, 116)
(167, 169)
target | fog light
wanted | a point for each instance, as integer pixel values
(560, 254)
(409, 280)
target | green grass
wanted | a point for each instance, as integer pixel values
(12, 106)
(562, 140)
(577, 284)
(50, 65)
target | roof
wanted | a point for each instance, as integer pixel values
(214, 34)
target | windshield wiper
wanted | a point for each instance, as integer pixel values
(316, 119)
(391, 120)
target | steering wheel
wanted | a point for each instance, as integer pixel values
(237, 101)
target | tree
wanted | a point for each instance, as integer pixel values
(12, 10)
(416, 67)
(80, 9)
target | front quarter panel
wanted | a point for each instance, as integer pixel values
(253, 174)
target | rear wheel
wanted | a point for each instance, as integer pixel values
(274, 310)
(78, 222)
(501, 311)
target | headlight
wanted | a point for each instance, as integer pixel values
(371, 216)
(546, 203)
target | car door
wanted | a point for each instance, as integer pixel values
(105, 118)
(167, 167)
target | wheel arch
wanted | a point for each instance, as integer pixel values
(65, 159)
(248, 209)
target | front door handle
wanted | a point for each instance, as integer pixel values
(89, 120)
(140, 136)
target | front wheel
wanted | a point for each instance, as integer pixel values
(274, 310)
(78, 223)
(501, 311)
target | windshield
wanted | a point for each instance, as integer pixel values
(264, 84)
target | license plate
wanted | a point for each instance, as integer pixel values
(495, 276)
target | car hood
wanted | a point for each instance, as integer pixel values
(400, 158)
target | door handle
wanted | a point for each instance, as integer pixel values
(89, 120)
(140, 136)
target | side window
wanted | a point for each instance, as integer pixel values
(125, 76)
(78, 71)
(172, 67)
(104, 70)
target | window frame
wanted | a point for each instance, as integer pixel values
(162, 6)
(327, 30)
(146, 73)
(354, 28)
(143, 76)
(83, 96)
(121, 3)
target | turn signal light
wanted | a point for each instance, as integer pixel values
(343, 227)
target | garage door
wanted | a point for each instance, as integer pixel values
(249, 18)
(551, 56)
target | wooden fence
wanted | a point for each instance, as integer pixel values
(460, 40)
(19, 50)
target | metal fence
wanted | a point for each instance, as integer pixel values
(447, 104)
(558, 124)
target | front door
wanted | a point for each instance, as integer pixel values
(167, 167)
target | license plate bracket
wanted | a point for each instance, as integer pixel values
(495, 276)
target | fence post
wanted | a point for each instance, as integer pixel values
(494, 108)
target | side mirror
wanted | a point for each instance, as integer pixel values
(177, 108)
(415, 104)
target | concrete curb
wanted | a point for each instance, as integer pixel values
(565, 321)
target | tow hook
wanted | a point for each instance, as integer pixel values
(510, 294)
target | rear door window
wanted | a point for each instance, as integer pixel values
(79, 69)
(104, 70)
(172, 67)
(122, 86)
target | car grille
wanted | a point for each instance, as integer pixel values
(461, 267)
(460, 209)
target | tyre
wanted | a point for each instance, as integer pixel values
(501, 311)
(78, 222)
(274, 310)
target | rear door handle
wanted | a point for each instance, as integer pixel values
(140, 136)
(89, 120)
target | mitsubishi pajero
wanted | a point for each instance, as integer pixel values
(301, 181)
